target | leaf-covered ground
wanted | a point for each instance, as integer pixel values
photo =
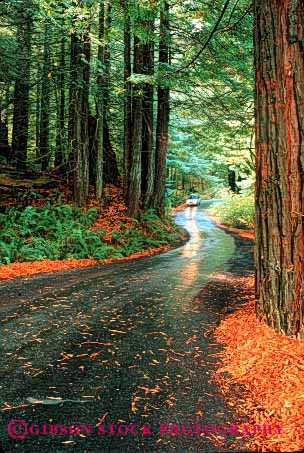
(269, 368)
(45, 237)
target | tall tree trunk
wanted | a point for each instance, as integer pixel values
(163, 113)
(38, 113)
(148, 154)
(110, 171)
(61, 134)
(44, 150)
(134, 188)
(103, 90)
(279, 251)
(22, 85)
(232, 181)
(72, 105)
(79, 114)
(100, 105)
(127, 97)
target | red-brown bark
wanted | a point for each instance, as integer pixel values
(279, 254)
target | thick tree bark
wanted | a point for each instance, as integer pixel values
(163, 113)
(279, 251)
(44, 151)
(22, 85)
(148, 154)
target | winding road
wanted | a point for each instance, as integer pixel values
(126, 344)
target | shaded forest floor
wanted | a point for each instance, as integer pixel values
(263, 368)
(112, 216)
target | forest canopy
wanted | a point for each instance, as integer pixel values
(156, 96)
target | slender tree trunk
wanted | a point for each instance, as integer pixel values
(5, 149)
(38, 113)
(61, 134)
(100, 105)
(232, 181)
(148, 154)
(127, 97)
(134, 188)
(7, 102)
(22, 85)
(79, 116)
(279, 251)
(163, 112)
(72, 106)
(44, 150)
(110, 172)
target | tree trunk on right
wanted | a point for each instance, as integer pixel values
(279, 251)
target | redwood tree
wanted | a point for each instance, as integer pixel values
(163, 114)
(279, 59)
(127, 95)
(61, 114)
(79, 115)
(44, 123)
(148, 158)
(22, 83)
(134, 189)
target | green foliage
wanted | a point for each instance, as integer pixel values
(63, 232)
(152, 232)
(51, 232)
(236, 211)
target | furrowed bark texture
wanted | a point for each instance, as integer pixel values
(279, 251)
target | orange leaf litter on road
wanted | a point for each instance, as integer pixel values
(270, 366)
(14, 270)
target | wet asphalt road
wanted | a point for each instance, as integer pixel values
(121, 344)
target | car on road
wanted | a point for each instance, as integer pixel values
(194, 200)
